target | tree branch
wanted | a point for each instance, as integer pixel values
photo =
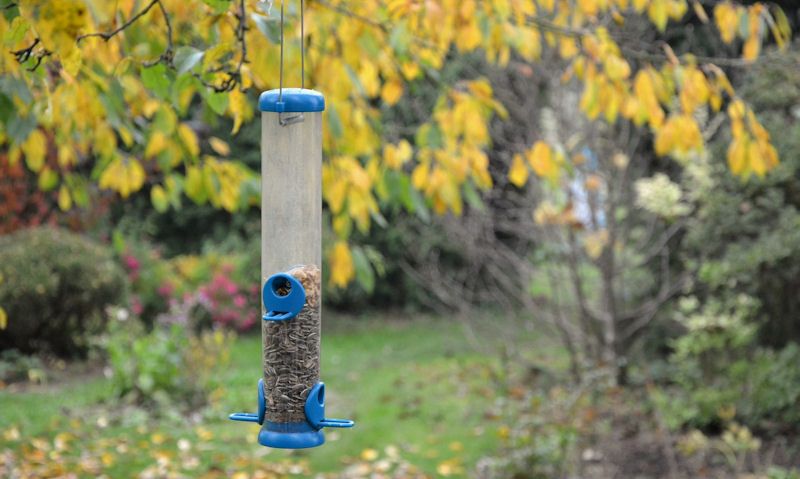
(24, 54)
(109, 35)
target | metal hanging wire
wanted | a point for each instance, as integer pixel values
(302, 49)
(288, 119)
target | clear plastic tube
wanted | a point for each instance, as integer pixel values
(291, 352)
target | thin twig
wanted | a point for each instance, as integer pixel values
(168, 54)
(22, 55)
(109, 35)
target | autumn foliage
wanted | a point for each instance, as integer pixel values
(113, 87)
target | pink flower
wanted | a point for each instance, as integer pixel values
(239, 301)
(131, 263)
(246, 324)
(166, 289)
(136, 306)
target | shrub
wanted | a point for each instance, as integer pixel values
(719, 374)
(747, 234)
(18, 367)
(56, 288)
(166, 365)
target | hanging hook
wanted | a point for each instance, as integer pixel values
(285, 119)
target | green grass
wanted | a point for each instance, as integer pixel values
(416, 385)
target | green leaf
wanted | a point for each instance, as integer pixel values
(19, 127)
(218, 101)
(16, 32)
(219, 6)
(370, 45)
(78, 188)
(420, 207)
(334, 122)
(364, 273)
(156, 79)
(6, 108)
(399, 39)
(145, 382)
(187, 58)
(399, 186)
(744, 25)
(270, 28)
(428, 135)
(472, 196)
(48, 179)
(118, 241)
(14, 87)
(159, 198)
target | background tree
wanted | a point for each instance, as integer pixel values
(102, 97)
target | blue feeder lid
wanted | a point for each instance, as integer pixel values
(296, 100)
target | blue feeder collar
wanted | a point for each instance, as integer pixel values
(294, 100)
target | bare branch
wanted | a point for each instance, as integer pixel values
(168, 54)
(111, 34)
(24, 54)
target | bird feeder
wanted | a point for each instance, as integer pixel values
(291, 398)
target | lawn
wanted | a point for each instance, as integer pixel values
(423, 397)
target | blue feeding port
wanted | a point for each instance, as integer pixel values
(283, 297)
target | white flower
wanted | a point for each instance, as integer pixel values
(659, 195)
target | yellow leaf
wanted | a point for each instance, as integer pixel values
(341, 265)
(737, 156)
(658, 13)
(369, 454)
(64, 199)
(3, 319)
(195, 189)
(543, 162)
(649, 107)
(35, 148)
(420, 176)
(699, 11)
(588, 7)
(219, 146)
(395, 156)
(751, 48)
(594, 243)
(158, 196)
(204, 434)
(758, 163)
(616, 68)
(72, 60)
(336, 194)
(468, 37)
(124, 176)
(342, 226)
(726, 18)
(392, 91)
(157, 144)
(518, 174)
(368, 76)
(695, 90)
(189, 139)
(239, 108)
(567, 47)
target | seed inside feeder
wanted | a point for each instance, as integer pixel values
(291, 351)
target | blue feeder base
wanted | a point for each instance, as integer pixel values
(293, 435)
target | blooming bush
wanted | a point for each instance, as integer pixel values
(220, 303)
(211, 290)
